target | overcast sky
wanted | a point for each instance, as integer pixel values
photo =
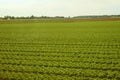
(59, 7)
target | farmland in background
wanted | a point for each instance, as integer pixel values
(60, 49)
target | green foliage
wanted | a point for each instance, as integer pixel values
(87, 50)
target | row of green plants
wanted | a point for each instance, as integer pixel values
(76, 65)
(61, 71)
(77, 55)
(76, 58)
(32, 76)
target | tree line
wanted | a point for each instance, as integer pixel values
(99, 16)
(30, 17)
(47, 17)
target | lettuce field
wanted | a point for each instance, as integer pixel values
(79, 50)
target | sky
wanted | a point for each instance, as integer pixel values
(59, 7)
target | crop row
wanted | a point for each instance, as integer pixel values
(96, 61)
(76, 58)
(63, 46)
(93, 66)
(61, 71)
(59, 47)
(58, 55)
(64, 59)
(62, 54)
(59, 61)
(5, 75)
(83, 51)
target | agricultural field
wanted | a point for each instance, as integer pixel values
(73, 50)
